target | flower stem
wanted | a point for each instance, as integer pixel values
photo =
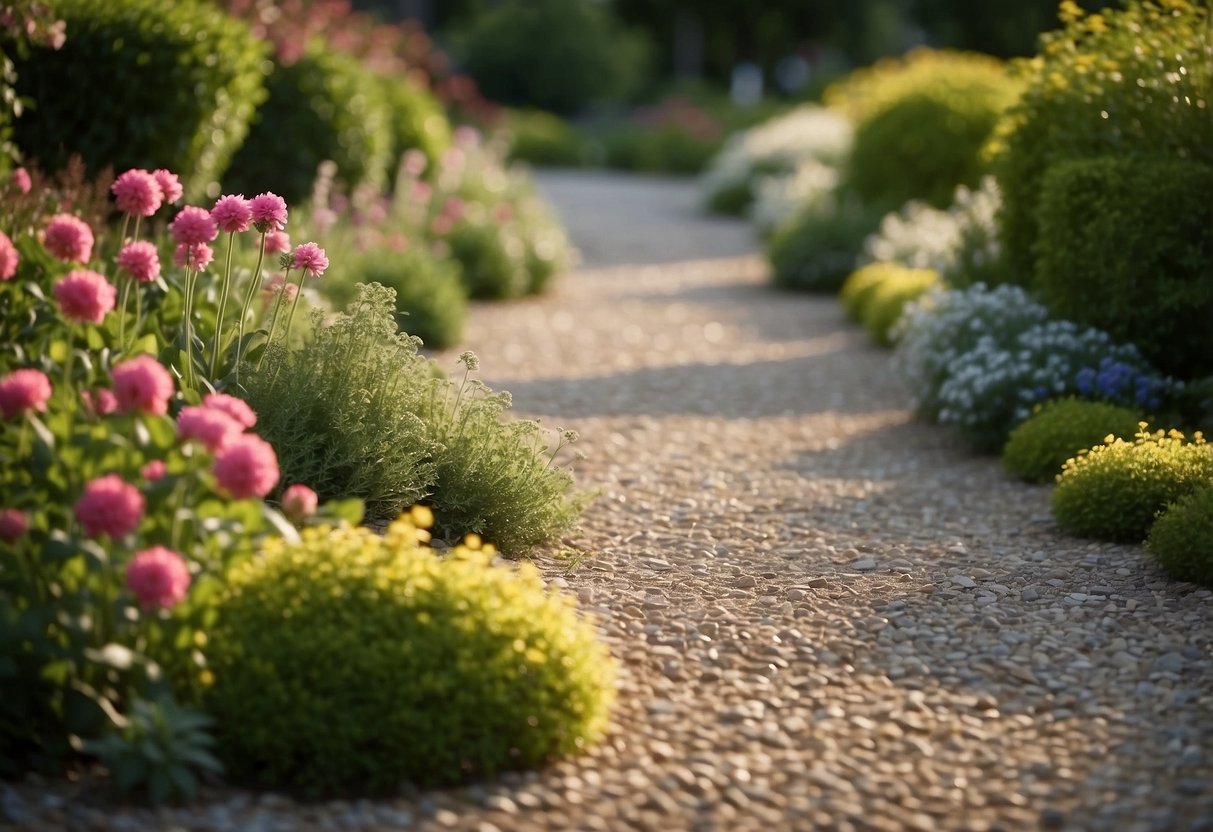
(286, 336)
(253, 285)
(223, 293)
(187, 375)
(126, 296)
(274, 318)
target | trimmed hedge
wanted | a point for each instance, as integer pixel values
(142, 84)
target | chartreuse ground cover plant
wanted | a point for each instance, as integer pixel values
(1058, 430)
(1115, 490)
(882, 309)
(451, 667)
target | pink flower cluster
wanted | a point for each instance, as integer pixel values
(68, 238)
(109, 506)
(142, 385)
(192, 229)
(85, 296)
(158, 577)
(232, 214)
(138, 193)
(248, 467)
(311, 258)
(20, 178)
(13, 524)
(140, 260)
(299, 501)
(9, 258)
(269, 212)
(100, 402)
(22, 391)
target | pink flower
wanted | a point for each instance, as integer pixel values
(414, 162)
(142, 384)
(138, 193)
(310, 257)
(20, 178)
(9, 258)
(299, 501)
(85, 297)
(247, 468)
(466, 136)
(158, 577)
(196, 256)
(24, 390)
(275, 285)
(269, 212)
(453, 207)
(238, 409)
(13, 525)
(422, 191)
(442, 225)
(323, 219)
(193, 226)
(68, 238)
(232, 213)
(140, 260)
(102, 402)
(109, 506)
(153, 470)
(169, 184)
(277, 242)
(213, 428)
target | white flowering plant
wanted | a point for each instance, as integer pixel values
(779, 197)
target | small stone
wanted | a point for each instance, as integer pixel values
(1029, 595)
(964, 580)
(864, 565)
(1052, 819)
(746, 582)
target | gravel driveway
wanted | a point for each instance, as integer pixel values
(827, 615)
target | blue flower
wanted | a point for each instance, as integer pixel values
(1086, 381)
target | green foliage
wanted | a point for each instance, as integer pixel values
(325, 106)
(1115, 490)
(1126, 245)
(1135, 82)
(666, 148)
(161, 747)
(1058, 431)
(883, 307)
(430, 302)
(170, 101)
(341, 410)
(449, 668)
(543, 139)
(857, 289)
(557, 55)
(415, 119)
(497, 480)
(820, 247)
(1180, 538)
(492, 260)
(921, 123)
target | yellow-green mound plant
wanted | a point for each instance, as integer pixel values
(1182, 538)
(857, 289)
(1115, 490)
(889, 299)
(1059, 430)
(350, 662)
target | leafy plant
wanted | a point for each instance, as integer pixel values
(1116, 490)
(543, 139)
(1132, 82)
(1126, 245)
(160, 747)
(821, 246)
(179, 107)
(415, 118)
(888, 299)
(1058, 430)
(1179, 538)
(452, 668)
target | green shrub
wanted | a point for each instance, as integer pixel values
(921, 123)
(169, 100)
(349, 662)
(415, 119)
(430, 302)
(1058, 431)
(820, 246)
(325, 106)
(1115, 490)
(1180, 538)
(541, 138)
(667, 148)
(1134, 82)
(341, 410)
(857, 289)
(491, 259)
(1126, 245)
(889, 298)
(557, 55)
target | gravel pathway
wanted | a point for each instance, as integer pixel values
(827, 615)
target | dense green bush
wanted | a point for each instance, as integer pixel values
(1058, 430)
(492, 260)
(1115, 490)
(921, 123)
(350, 662)
(325, 106)
(1134, 82)
(415, 118)
(1180, 538)
(541, 138)
(341, 410)
(1126, 245)
(857, 289)
(820, 246)
(667, 148)
(430, 302)
(887, 301)
(178, 84)
(557, 55)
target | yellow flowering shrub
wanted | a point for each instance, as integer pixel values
(349, 662)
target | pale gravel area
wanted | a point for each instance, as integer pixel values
(827, 615)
